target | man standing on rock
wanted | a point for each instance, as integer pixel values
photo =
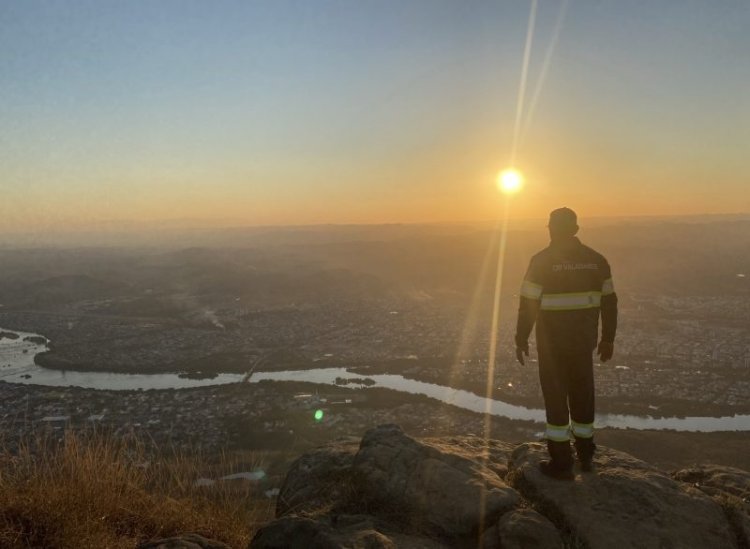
(566, 287)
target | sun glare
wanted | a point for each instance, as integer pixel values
(510, 181)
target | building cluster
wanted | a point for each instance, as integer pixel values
(693, 351)
(263, 415)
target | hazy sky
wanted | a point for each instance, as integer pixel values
(317, 111)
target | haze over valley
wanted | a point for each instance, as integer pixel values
(370, 300)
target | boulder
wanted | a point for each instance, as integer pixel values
(525, 529)
(522, 529)
(392, 488)
(739, 518)
(340, 532)
(729, 487)
(625, 503)
(184, 541)
(317, 480)
(440, 491)
(494, 454)
(717, 479)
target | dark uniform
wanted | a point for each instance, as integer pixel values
(565, 289)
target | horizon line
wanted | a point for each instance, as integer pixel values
(184, 224)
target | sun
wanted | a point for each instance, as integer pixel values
(510, 181)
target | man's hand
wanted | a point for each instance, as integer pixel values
(605, 350)
(520, 351)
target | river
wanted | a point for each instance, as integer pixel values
(17, 366)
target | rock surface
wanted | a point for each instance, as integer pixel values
(439, 490)
(522, 529)
(185, 541)
(392, 490)
(718, 480)
(339, 532)
(317, 480)
(730, 487)
(626, 503)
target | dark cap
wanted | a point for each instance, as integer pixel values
(563, 218)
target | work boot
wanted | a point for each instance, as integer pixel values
(587, 465)
(560, 466)
(585, 449)
(550, 469)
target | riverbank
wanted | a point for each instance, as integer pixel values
(433, 371)
(520, 391)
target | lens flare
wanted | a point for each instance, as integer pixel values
(510, 181)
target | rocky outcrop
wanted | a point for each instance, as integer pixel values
(392, 490)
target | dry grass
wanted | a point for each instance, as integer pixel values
(98, 490)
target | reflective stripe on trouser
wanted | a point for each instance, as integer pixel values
(582, 430)
(567, 379)
(558, 433)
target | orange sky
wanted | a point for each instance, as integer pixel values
(377, 113)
